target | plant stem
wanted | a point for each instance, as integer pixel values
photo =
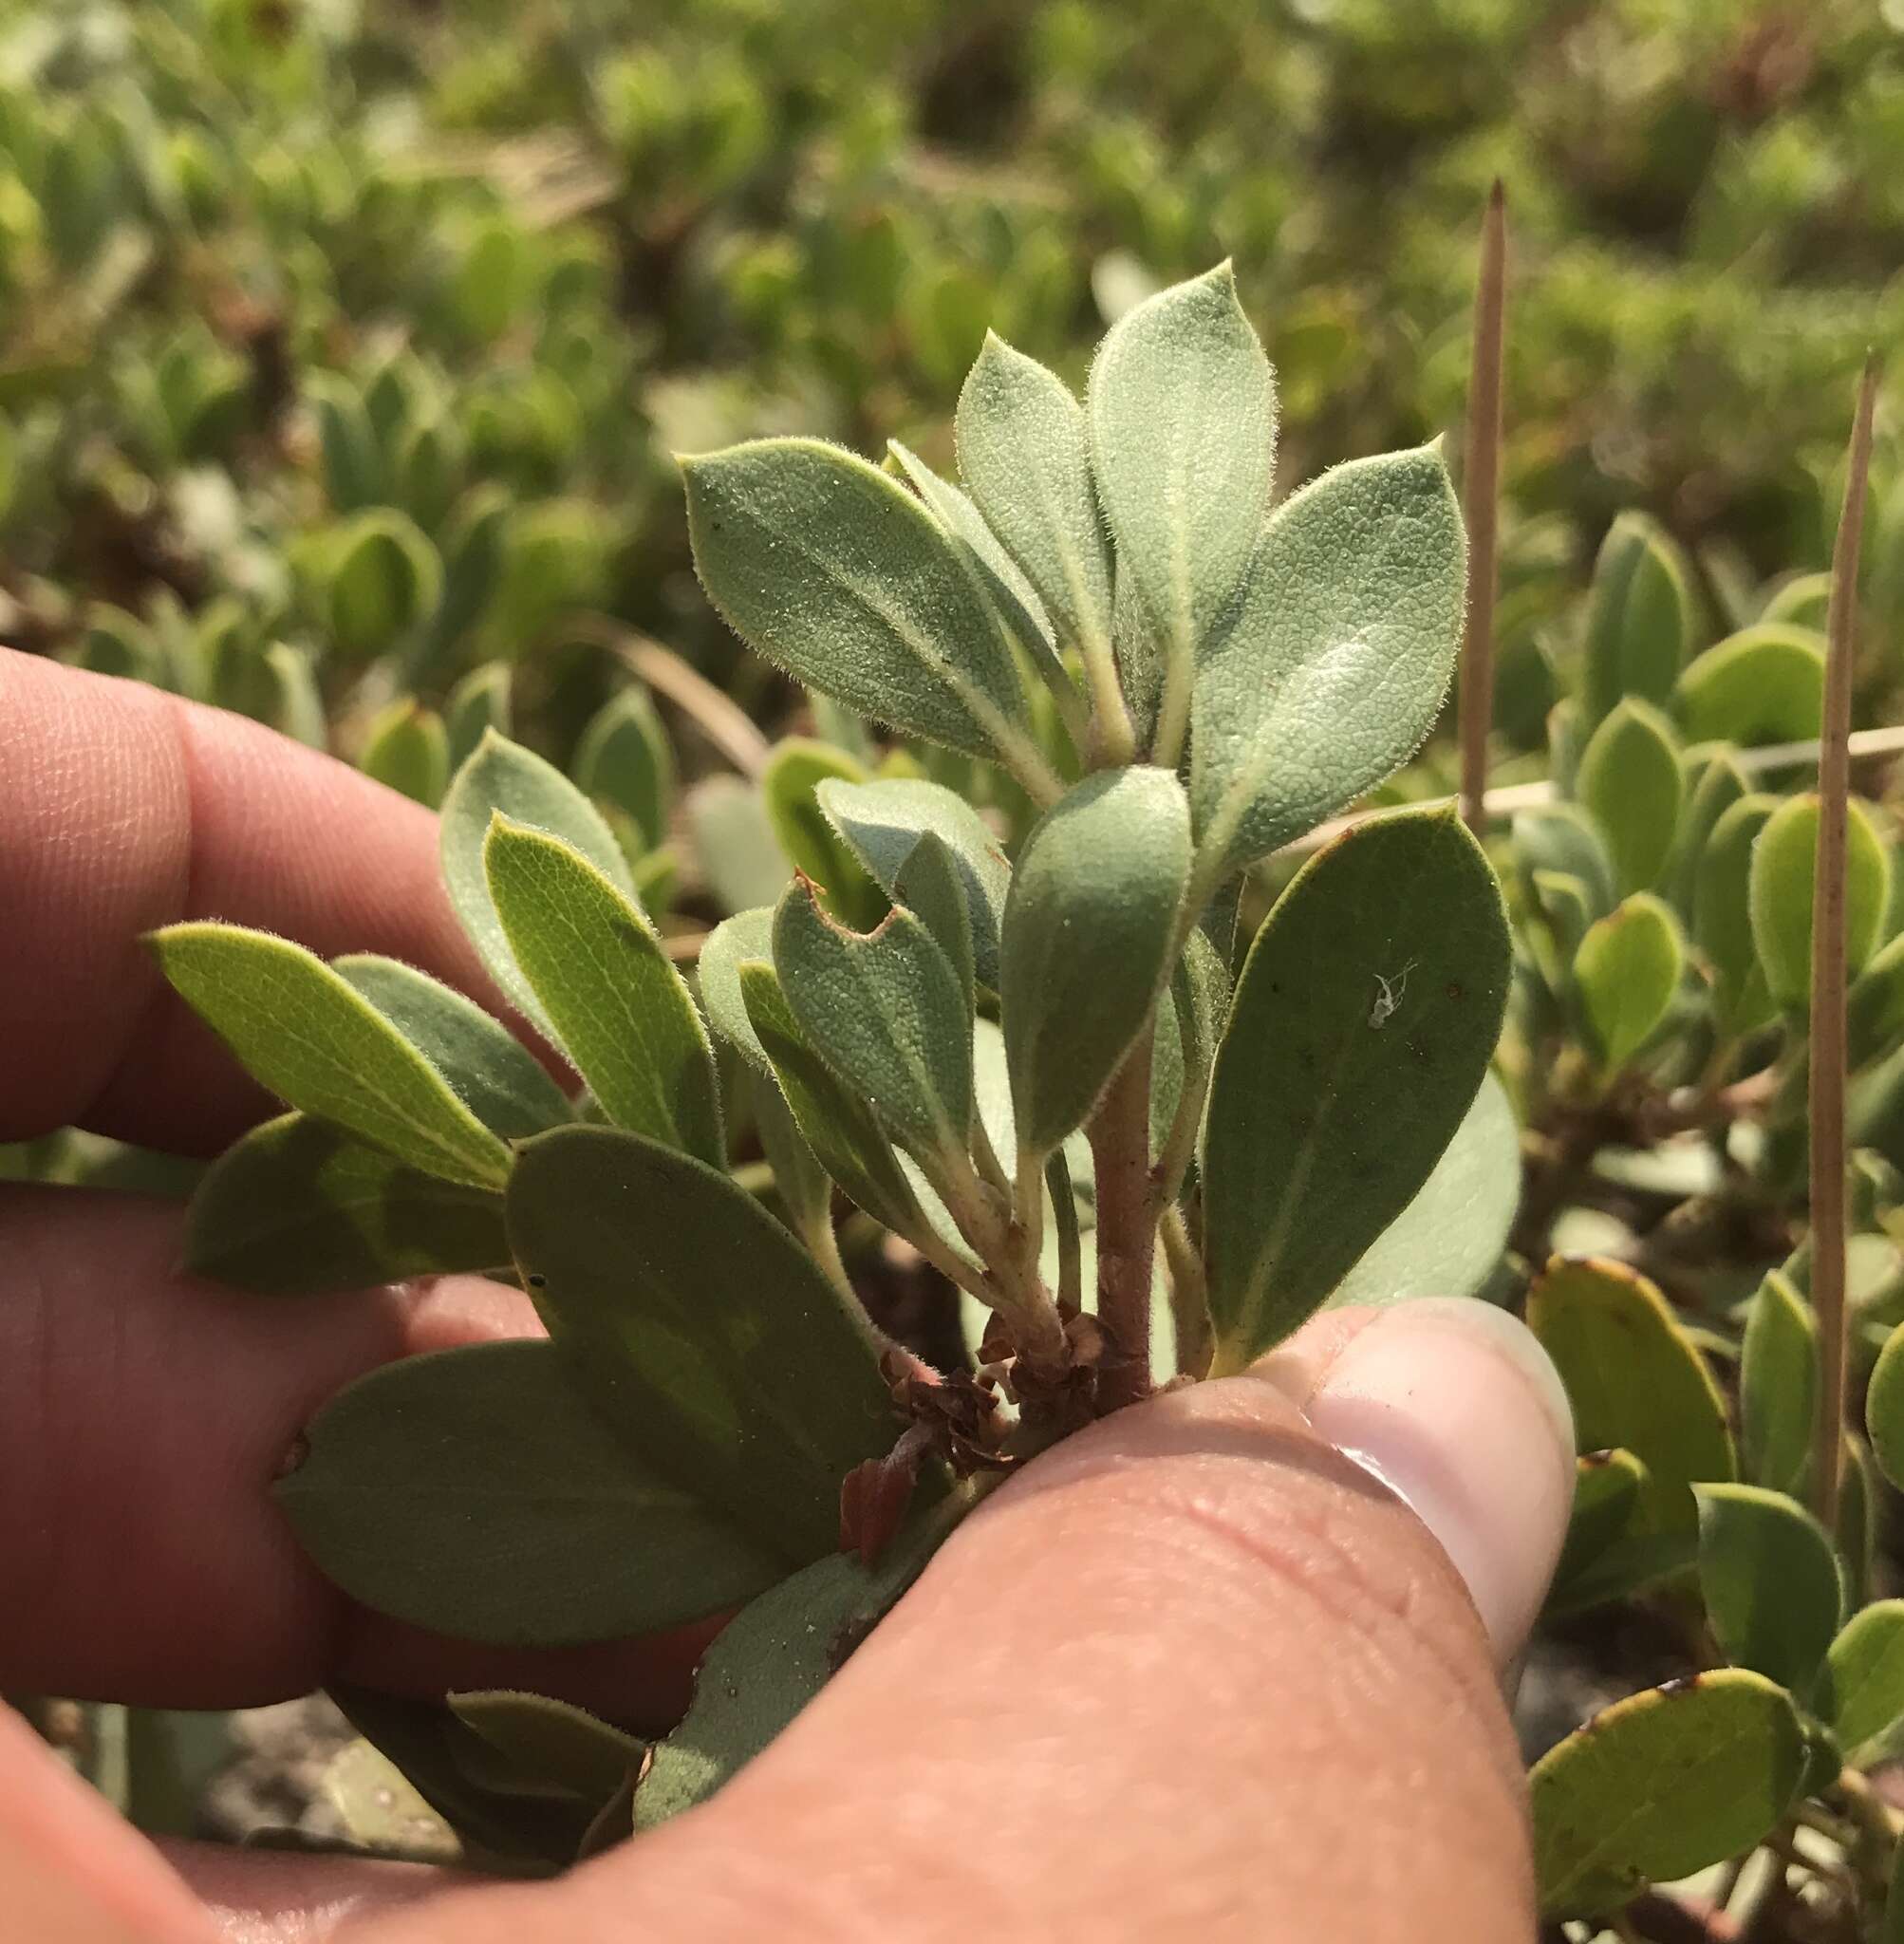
(1189, 1296)
(1115, 734)
(1173, 706)
(1480, 509)
(824, 1245)
(1827, 1036)
(1127, 1220)
(1011, 1283)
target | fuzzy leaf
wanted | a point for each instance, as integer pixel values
(502, 775)
(1560, 839)
(1089, 926)
(621, 1011)
(838, 575)
(1783, 862)
(301, 1030)
(1631, 784)
(704, 1334)
(734, 839)
(1660, 1786)
(1778, 1386)
(625, 760)
(298, 1208)
(1449, 1239)
(1721, 915)
(1329, 667)
(1635, 1380)
(1864, 1676)
(408, 748)
(794, 772)
(1763, 685)
(1024, 453)
(766, 1665)
(1625, 972)
(475, 1491)
(488, 1068)
(1639, 617)
(932, 887)
(884, 821)
(725, 949)
(1770, 1579)
(1183, 430)
(805, 1189)
(835, 1122)
(887, 1011)
(1364, 1020)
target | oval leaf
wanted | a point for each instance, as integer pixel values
(1763, 685)
(834, 573)
(1331, 665)
(1089, 926)
(1363, 1023)
(1784, 859)
(1626, 973)
(301, 1030)
(707, 1335)
(625, 760)
(794, 772)
(1631, 784)
(1770, 1577)
(1778, 1386)
(1721, 915)
(1864, 1696)
(1639, 617)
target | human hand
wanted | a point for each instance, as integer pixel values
(1197, 1673)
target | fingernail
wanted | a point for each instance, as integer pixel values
(1456, 1409)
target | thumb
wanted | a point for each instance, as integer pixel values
(1224, 1666)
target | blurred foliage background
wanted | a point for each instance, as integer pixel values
(343, 347)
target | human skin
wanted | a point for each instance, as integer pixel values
(1225, 1666)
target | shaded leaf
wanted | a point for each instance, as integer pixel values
(1863, 1697)
(1088, 929)
(1770, 1579)
(586, 1756)
(1364, 1020)
(725, 949)
(408, 748)
(707, 1337)
(1716, 785)
(793, 771)
(1782, 861)
(1884, 1408)
(1778, 1386)
(298, 1208)
(476, 1492)
(1763, 685)
(301, 1030)
(624, 758)
(1626, 973)
(1631, 784)
(1639, 617)
(1721, 915)
(1560, 839)
(479, 702)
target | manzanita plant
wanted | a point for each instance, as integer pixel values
(1032, 1068)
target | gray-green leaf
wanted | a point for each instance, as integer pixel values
(1771, 1583)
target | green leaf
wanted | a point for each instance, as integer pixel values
(384, 579)
(1448, 1240)
(1089, 925)
(1804, 601)
(1331, 665)
(1660, 1786)
(1639, 617)
(835, 573)
(1559, 839)
(479, 702)
(302, 1031)
(621, 1011)
(1364, 1020)
(502, 775)
(1719, 784)
(887, 1011)
(1864, 1677)
(1625, 972)
(1778, 1386)
(805, 1189)
(1613, 1548)
(488, 1068)
(1783, 862)
(794, 772)
(836, 1123)
(882, 821)
(1874, 1011)
(554, 1739)
(624, 758)
(768, 1663)
(932, 887)
(1635, 1380)
(1183, 430)
(1770, 1579)
(723, 951)
(1632, 785)
(707, 1337)
(1722, 916)
(1884, 1408)
(994, 573)
(1763, 685)
(1024, 453)
(298, 1208)
(1858, 1510)
(408, 748)
(734, 839)
(473, 1491)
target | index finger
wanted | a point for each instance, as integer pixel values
(126, 808)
